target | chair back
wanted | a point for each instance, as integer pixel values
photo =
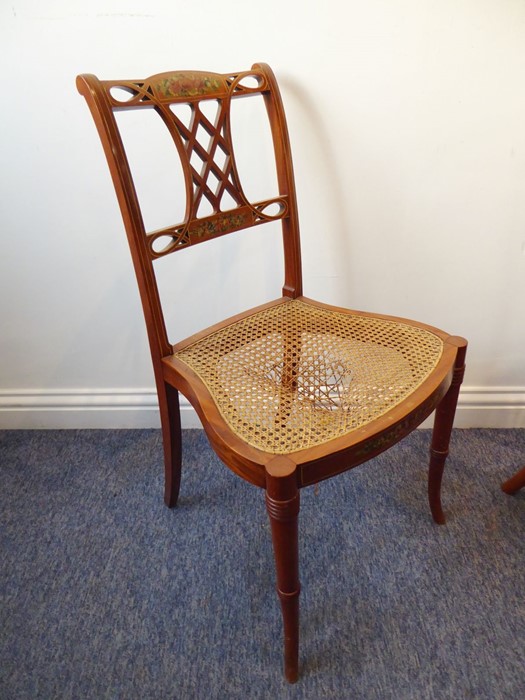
(211, 178)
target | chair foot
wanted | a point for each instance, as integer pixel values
(435, 476)
(290, 612)
(172, 442)
(282, 503)
(515, 483)
(443, 422)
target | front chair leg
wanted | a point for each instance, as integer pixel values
(443, 422)
(172, 442)
(282, 503)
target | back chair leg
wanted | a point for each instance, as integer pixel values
(282, 503)
(171, 438)
(443, 422)
(515, 483)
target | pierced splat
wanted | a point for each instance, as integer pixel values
(195, 107)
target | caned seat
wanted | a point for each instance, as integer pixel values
(297, 374)
(291, 392)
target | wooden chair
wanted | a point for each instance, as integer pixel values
(291, 392)
(515, 483)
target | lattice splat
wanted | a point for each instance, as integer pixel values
(211, 163)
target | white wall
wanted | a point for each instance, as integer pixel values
(407, 120)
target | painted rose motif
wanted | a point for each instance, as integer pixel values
(189, 85)
(219, 225)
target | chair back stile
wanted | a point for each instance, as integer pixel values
(162, 93)
(293, 282)
(97, 99)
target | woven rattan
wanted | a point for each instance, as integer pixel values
(296, 375)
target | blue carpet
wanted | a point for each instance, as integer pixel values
(106, 593)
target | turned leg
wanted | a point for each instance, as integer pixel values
(515, 483)
(443, 421)
(282, 502)
(171, 438)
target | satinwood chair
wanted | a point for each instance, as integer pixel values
(291, 392)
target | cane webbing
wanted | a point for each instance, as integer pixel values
(295, 375)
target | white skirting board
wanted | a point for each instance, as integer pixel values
(478, 407)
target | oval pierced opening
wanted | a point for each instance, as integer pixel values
(250, 82)
(273, 209)
(162, 244)
(122, 94)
